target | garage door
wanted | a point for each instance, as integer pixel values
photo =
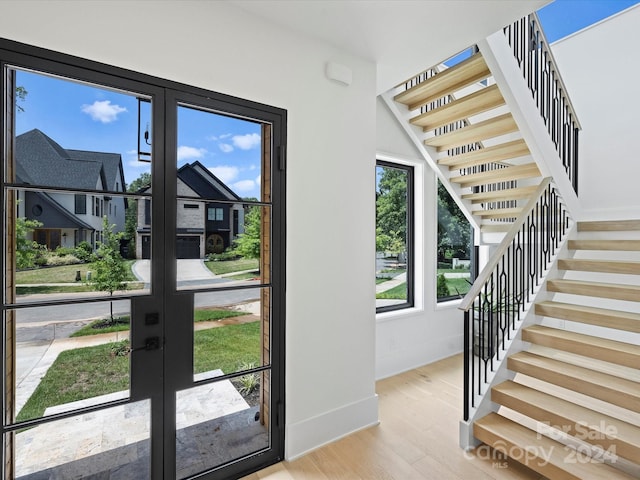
(188, 247)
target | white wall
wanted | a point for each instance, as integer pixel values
(331, 156)
(600, 68)
(414, 337)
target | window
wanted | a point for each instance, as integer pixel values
(394, 236)
(81, 204)
(96, 208)
(455, 247)
(191, 205)
(215, 214)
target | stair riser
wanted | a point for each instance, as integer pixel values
(629, 268)
(604, 436)
(606, 245)
(584, 386)
(609, 226)
(604, 354)
(614, 293)
(537, 458)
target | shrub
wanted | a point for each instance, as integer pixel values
(55, 260)
(249, 382)
(84, 251)
(442, 288)
(64, 251)
(224, 256)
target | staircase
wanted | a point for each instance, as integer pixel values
(574, 401)
(468, 128)
(552, 365)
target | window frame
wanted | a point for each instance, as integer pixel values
(442, 301)
(410, 235)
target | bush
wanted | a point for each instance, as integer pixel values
(84, 251)
(55, 260)
(64, 251)
(224, 256)
(443, 289)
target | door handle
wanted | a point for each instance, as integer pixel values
(150, 343)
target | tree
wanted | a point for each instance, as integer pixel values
(454, 230)
(21, 95)
(131, 215)
(391, 210)
(111, 271)
(248, 243)
(26, 249)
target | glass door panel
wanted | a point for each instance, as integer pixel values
(72, 185)
(223, 249)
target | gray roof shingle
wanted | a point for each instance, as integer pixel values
(41, 161)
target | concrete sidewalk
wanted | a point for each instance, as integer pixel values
(187, 270)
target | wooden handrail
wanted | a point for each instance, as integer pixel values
(481, 279)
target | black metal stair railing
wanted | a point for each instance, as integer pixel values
(539, 68)
(504, 289)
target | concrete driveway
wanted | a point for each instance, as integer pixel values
(188, 270)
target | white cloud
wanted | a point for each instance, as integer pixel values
(190, 153)
(226, 148)
(214, 138)
(103, 111)
(258, 179)
(226, 173)
(246, 142)
(244, 186)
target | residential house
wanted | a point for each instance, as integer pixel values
(67, 220)
(336, 67)
(203, 227)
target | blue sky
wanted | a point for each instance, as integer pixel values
(564, 17)
(83, 117)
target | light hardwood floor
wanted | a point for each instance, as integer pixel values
(417, 437)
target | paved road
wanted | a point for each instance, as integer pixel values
(38, 324)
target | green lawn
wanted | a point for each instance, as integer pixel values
(400, 292)
(122, 323)
(230, 266)
(92, 371)
(62, 274)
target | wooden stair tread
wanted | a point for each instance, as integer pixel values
(495, 227)
(609, 226)
(500, 195)
(470, 71)
(608, 388)
(514, 172)
(492, 127)
(461, 108)
(602, 266)
(498, 213)
(617, 245)
(496, 153)
(575, 420)
(617, 319)
(595, 289)
(620, 353)
(507, 436)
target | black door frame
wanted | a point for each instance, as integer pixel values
(148, 368)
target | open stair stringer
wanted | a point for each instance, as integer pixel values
(430, 155)
(485, 405)
(497, 54)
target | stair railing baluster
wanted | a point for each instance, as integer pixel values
(495, 304)
(539, 69)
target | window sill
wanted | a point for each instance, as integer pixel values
(396, 314)
(448, 304)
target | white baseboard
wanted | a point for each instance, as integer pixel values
(310, 434)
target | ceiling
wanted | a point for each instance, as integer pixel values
(403, 37)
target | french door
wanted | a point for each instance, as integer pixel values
(149, 343)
